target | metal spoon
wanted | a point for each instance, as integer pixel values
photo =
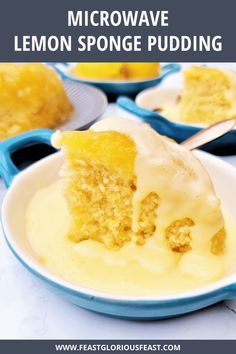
(208, 134)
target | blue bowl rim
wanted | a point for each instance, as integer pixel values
(222, 291)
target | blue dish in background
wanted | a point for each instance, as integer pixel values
(226, 145)
(118, 87)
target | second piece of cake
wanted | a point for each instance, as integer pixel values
(31, 96)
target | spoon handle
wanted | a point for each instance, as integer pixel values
(209, 134)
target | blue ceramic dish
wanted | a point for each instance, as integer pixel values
(23, 185)
(226, 145)
(119, 87)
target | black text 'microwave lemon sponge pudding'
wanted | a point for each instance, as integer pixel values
(124, 183)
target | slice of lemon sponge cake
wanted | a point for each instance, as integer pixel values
(123, 182)
(209, 95)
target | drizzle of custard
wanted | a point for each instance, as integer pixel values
(132, 270)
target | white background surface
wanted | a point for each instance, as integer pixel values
(29, 311)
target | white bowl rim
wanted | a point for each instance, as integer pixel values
(144, 93)
(41, 272)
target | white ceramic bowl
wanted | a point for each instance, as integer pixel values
(147, 100)
(162, 97)
(45, 172)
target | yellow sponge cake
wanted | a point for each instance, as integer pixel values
(123, 182)
(116, 71)
(31, 96)
(209, 95)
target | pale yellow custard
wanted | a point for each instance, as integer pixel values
(132, 213)
(132, 270)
